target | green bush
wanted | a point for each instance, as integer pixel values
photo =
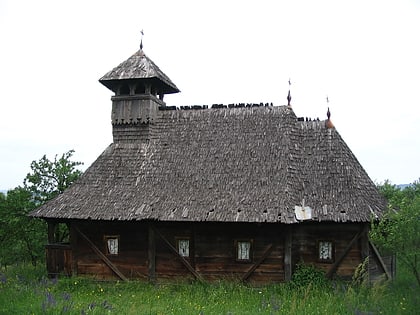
(305, 275)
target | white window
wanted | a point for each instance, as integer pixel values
(243, 250)
(325, 251)
(183, 247)
(112, 245)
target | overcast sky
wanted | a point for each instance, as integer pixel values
(363, 55)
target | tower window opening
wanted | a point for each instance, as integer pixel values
(125, 90)
(140, 89)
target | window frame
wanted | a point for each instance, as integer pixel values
(237, 243)
(178, 241)
(332, 251)
(107, 249)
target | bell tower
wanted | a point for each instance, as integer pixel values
(139, 86)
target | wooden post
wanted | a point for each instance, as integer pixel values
(73, 245)
(288, 254)
(151, 252)
(52, 226)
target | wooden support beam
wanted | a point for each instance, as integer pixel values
(183, 260)
(101, 255)
(343, 255)
(288, 254)
(266, 253)
(73, 245)
(151, 253)
(52, 228)
(381, 262)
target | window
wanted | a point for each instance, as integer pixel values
(325, 251)
(124, 90)
(112, 244)
(183, 246)
(243, 250)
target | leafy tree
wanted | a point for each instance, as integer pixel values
(399, 230)
(22, 238)
(50, 178)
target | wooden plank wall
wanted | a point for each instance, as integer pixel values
(59, 259)
(132, 260)
(211, 245)
(212, 250)
(305, 247)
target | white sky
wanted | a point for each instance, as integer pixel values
(365, 55)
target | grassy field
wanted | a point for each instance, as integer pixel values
(26, 290)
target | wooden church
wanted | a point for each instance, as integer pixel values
(243, 191)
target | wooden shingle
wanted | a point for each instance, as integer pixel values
(249, 164)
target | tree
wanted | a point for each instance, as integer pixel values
(399, 230)
(50, 178)
(22, 238)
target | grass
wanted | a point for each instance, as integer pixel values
(26, 290)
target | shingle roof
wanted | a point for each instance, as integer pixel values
(252, 164)
(139, 66)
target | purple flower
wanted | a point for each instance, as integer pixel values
(49, 299)
(66, 296)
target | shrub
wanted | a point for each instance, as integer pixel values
(305, 275)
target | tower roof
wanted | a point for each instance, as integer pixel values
(139, 67)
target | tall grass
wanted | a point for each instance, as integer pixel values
(26, 290)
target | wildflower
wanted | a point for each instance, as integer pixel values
(66, 296)
(67, 308)
(49, 298)
(106, 305)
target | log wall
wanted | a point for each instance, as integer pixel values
(305, 245)
(212, 249)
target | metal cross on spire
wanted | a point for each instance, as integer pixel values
(141, 41)
(328, 105)
(289, 96)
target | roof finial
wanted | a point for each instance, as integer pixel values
(289, 96)
(141, 41)
(329, 123)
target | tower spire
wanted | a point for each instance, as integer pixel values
(289, 96)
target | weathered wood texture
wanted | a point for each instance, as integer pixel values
(211, 247)
(381, 265)
(133, 249)
(147, 250)
(226, 165)
(59, 259)
(306, 237)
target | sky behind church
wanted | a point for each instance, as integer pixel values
(363, 55)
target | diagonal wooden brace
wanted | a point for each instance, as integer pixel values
(343, 255)
(266, 253)
(101, 255)
(183, 260)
